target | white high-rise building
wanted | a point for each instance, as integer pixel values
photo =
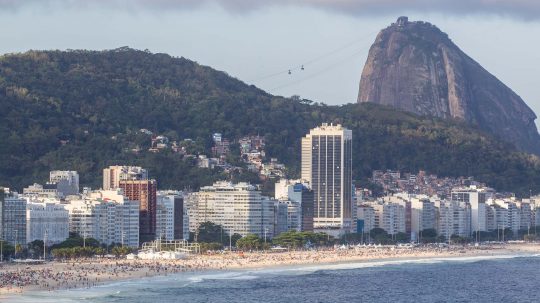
(454, 218)
(476, 197)
(106, 216)
(509, 215)
(171, 218)
(367, 214)
(48, 222)
(327, 166)
(164, 217)
(390, 217)
(67, 182)
(114, 174)
(422, 215)
(526, 215)
(239, 208)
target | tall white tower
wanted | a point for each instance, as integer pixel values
(327, 166)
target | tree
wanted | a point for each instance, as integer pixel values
(458, 239)
(428, 235)
(250, 242)
(209, 232)
(295, 239)
(8, 250)
(375, 232)
(35, 248)
(402, 237)
(121, 251)
(212, 246)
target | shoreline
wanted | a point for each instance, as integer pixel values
(81, 274)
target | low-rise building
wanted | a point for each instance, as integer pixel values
(67, 182)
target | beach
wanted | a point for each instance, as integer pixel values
(86, 273)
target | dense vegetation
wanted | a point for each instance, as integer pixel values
(82, 110)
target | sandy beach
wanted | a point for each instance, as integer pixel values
(54, 275)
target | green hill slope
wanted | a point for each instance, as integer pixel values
(82, 110)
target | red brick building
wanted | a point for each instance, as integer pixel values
(143, 191)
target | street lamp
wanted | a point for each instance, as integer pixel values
(230, 240)
(44, 245)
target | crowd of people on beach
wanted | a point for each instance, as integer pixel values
(90, 272)
(83, 273)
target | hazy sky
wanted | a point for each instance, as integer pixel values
(258, 41)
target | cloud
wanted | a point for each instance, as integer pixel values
(519, 9)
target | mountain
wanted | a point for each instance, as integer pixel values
(413, 66)
(83, 110)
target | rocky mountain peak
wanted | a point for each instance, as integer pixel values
(414, 66)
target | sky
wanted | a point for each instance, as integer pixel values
(258, 41)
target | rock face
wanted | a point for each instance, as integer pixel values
(413, 66)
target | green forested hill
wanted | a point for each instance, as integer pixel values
(97, 102)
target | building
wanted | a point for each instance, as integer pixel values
(403, 199)
(366, 214)
(67, 182)
(300, 203)
(491, 218)
(500, 217)
(238, 208)
(13, 214)
(49, 190)
(508, 215)
(454, 219)
(48, 222)
(526, 215)
(476, 197)
(144, 191)
(390, 217)
(327, 167)
(170, 215)
(2, 202)
(221, 145)
(422, 216)
(107, 216)
(164, 218)
(185, 221)
(281, 213)
(114, 174)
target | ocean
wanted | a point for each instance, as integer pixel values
(467, 279)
